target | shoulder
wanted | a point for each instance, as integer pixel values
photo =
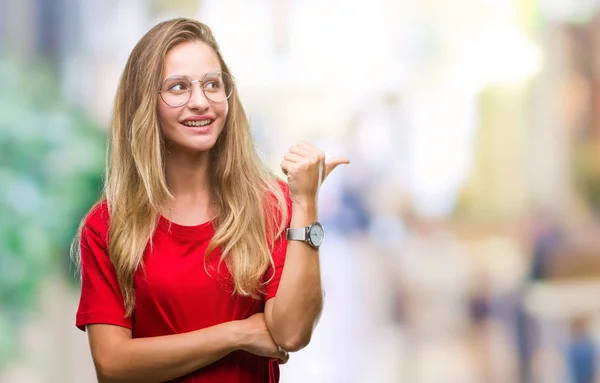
(97, 219)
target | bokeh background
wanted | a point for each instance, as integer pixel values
(463, 242)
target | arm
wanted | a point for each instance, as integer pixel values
(294, 311)
(119, 358)
(292, 314)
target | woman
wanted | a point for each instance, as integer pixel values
(186, 281)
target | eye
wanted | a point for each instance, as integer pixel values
(177, 87)
(212, 85)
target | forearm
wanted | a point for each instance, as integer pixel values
(159, 359)
(299, 299)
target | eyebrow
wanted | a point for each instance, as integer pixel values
(189, 78)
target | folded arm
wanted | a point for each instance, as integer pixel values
(293, 313)
(119, 358)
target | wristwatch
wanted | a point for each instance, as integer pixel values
(312, 234)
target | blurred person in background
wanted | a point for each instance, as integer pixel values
(581, 352)
(182, 260)
(547, 237)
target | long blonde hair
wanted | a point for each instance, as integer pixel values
(250, 204)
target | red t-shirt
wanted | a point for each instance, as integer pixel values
(173, 293)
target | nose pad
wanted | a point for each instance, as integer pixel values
(198, 99)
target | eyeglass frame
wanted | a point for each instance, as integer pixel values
(192, 82)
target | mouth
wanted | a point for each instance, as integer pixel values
(197, 123)
(198, 126)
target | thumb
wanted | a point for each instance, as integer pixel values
(333, 163)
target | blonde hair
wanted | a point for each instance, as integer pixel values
(249, 201)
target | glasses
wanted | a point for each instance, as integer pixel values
(177, 90)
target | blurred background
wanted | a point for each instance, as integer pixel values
(463, 242)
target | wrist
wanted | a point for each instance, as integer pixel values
(304, 201)
(238, 336)
(305, 208)
(304, 216)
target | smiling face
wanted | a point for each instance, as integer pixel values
(193, 127)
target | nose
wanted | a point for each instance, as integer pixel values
(197, 99)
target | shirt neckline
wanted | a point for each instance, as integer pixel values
(204, 230)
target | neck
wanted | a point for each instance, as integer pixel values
(188, 175)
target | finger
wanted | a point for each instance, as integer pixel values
(283, 355)
(302, 151)
(293, 157)
(285, 360)
(306, 145)
(334, 162)
(281, 360)
(308, 152)
(322, 172)
(286, 166)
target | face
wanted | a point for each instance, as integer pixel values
(195, 126)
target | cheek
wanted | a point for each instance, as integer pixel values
(166, 115)
(162, 112)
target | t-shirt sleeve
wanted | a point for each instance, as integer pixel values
(101, 300)
(279, 251)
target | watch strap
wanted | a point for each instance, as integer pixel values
(297, 234)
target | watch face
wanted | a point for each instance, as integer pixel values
(316, 234)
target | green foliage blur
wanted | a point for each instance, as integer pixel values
(51, 165)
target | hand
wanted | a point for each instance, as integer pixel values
(306, 168)
(256, 339)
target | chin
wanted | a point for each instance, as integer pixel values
(191, 146)
(203, 146)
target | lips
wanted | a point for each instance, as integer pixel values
(197, 123)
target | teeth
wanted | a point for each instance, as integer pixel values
(196, 123)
